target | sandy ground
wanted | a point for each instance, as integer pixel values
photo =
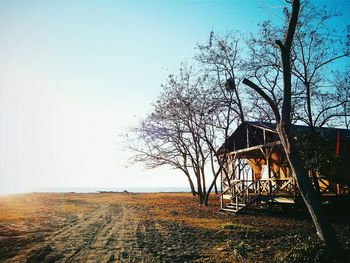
(126, 227)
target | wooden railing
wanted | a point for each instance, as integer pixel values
(276, 185)
(233, 184)
(262, 186)
(326, 187)
(242, 193)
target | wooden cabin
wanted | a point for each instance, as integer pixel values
(256, 172)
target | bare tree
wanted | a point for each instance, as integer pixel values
(317, 47)
(283, 119)
(168, 136)
(188, 122)
(342, 96)
(263, 67)
(220, 60)
(193, 116)
(317, 50)
(159, 141)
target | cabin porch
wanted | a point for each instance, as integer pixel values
(255, 173)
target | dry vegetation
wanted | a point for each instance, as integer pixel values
(158, 227)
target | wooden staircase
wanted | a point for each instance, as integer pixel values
(240, 196)
(238, 207)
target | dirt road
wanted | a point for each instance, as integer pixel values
(105, 235)
(159, 227)
(112, 232)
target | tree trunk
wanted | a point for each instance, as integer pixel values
(218, 172)
(199, 187)
(193, 191)
(216, 188)
(283, 121)
(315, 181)
(308, 192)
(203, 181)
(308, 101)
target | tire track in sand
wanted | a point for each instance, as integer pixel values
(105, 235)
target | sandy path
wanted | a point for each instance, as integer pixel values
(112, 233)
(128, 227)
(109, 234)
(105, 230)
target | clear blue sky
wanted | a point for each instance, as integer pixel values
(75, 74)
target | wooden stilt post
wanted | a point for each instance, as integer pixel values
(268, 153)
(247, 131)
(221, 183)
